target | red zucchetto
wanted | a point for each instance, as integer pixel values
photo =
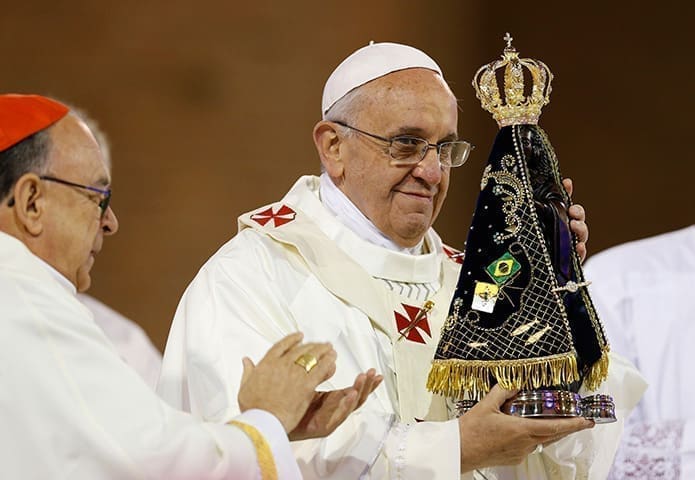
(23, 115)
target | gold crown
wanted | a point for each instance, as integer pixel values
(516, 108)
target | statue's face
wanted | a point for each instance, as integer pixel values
(526, 135)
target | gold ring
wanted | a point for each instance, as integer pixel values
(307, 361)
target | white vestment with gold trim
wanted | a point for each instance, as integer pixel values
(294, 266)
(72, 409)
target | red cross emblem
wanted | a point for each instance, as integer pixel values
(452, 253)
(410, 324)
(283, 215)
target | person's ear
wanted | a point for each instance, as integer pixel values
(328, 143)
(29, 203)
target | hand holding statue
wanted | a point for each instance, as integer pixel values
(490, 437)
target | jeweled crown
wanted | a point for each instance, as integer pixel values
(517, 106)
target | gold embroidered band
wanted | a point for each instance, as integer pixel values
(266, 462)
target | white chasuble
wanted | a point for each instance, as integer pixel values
(388, 313)
(293, 266)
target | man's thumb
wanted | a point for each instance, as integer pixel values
(248, 369)
(498, 395)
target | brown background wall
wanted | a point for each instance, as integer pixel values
(209, 107)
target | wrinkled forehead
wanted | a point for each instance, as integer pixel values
(410, 80)
(75, 150)
(411, 96)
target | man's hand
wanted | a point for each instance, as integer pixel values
(490, 437)
(577, 221)
(279, 386)
(329, 409)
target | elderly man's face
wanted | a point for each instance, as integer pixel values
(402, 201)
(75, 228)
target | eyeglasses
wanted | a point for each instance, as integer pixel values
(410, 150)
(103, 204)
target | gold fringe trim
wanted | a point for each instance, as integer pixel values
(264, 454)
(598, 371)
(453, 378)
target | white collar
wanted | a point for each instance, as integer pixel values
(349, 215)
(378, 261)
(15, 253)
(64, 282)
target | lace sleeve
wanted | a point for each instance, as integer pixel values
(649, 450)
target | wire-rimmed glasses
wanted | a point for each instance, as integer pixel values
(410, 150)
(103, 204)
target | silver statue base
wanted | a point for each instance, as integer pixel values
(554, 404)
(599, 407)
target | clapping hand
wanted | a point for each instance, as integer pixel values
(329, 409)
(284, 383)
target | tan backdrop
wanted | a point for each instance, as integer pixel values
(209, 107)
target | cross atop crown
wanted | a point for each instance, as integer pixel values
(517, 106)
